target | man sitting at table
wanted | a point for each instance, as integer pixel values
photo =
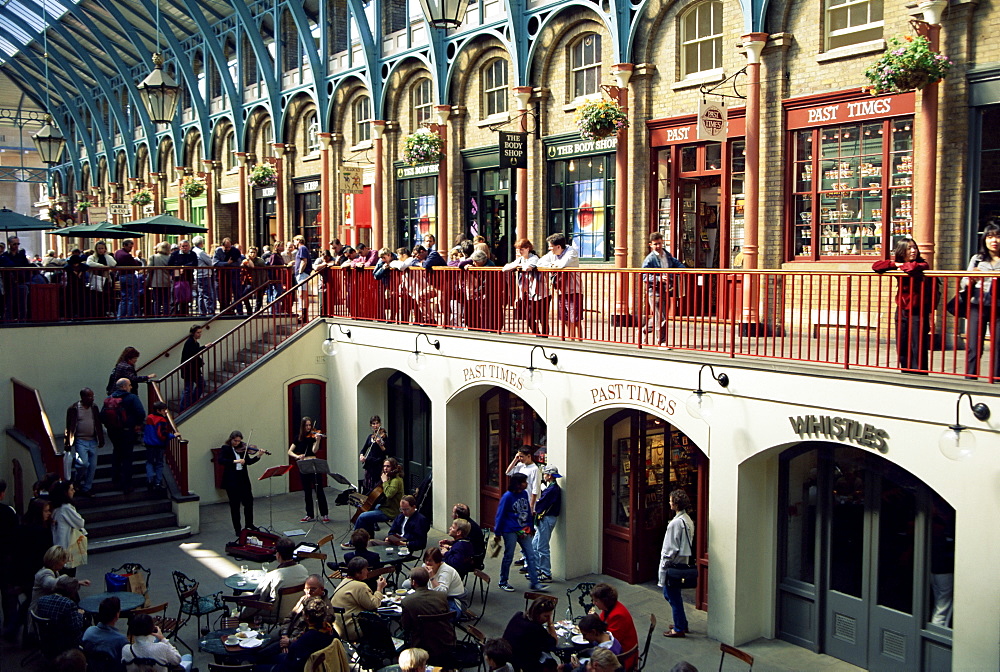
(61, 609)
(475, 536)
(458, 550)
(104, 637)
(295, 623)
(288, 573)
(354, 596)
(437, 637)
(359, 541)
(410, 527)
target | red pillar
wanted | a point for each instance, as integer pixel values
(753, 43)
(325, 190)
(522, 94)
(441, 128)
(925, 142)
(245, 196)
(378, 224)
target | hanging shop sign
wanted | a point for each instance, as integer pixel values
(119, 209)
(712, 118)
(351, 180)
(405, 172)
(840, 429)
(264, 192)
(557, 149)
(148, 209)
(513, 150)
(840, 108)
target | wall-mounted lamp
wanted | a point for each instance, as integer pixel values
(533, 377)
(700, 404)
(956, 442)
(418, 360)
(330, 344)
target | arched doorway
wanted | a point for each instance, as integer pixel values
(645, 458)
(506, 423)
(867, 560)
(306, 398)
(408, 422)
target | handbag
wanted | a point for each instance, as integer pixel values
(681, 574)
(77, 549)
(96, 282)
(958, 305)
(496, 546)
(116, 583)
(182, 291)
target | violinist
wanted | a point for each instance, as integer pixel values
(304, 448)
(235, 456)
(373, 453)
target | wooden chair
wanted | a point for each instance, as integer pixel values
(314, 555)
(481, 582)
(389, 572)
(644, 658)
(529, 597)
(159, 613)
(271, 613)
(735, 653)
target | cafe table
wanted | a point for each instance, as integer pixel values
(129, 601)
(244, 583)
(567, 632)
(212, 643)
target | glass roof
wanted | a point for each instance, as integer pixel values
(17, 16)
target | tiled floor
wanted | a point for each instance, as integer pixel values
(203, 557)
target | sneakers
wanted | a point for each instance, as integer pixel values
(306, 519)
(506, 587)
(519, 563)
(326, 519)
(542, 576)
(523, 570)
(540, 588)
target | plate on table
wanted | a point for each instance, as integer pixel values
(247, 634)
(579, 639)
(252, 643)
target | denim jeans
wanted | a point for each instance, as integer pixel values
(543, 533)
(154, 465)
(193, 390)
(673, 596)
(206, 295)
(510, 540)
(86, 462)
(129, 304)
(369, 519)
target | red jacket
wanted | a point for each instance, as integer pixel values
(916, 292)
(620, 625)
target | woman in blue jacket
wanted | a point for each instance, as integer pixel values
(513, 523)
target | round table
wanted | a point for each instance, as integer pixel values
(389, 555)
(212, 643)
(92, 603)
(249, 582)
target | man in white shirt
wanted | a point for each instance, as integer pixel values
(288, 573)
(570, 304)
(206, 288)
(524, 463)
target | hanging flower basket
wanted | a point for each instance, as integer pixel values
(81, 206)
(423, 146)
(263, 175)
(193, 188)
(907, 64)
(142, 198)
(598, 119)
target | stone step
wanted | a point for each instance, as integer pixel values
(126, 510)
(131, 525)
(133, 539)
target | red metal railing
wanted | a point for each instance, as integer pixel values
(199, 378)
(844, 319)
(58, 294)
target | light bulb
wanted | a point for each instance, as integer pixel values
(700, 405)
(417, 361)
(957, 443)
(532, 378)
(330, 346)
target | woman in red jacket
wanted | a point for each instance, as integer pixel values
(915, 299)
(619, 620)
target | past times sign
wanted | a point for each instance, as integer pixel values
(712, 118)
(513, 150)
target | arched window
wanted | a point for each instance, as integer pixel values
(226, 151)
(701, 38)
(494, 83)
(267, 140)
(421, 102)
(362, 119)
(585, 65)
(852, 21)
(312, 133)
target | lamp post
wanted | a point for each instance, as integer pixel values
(444, 13)
(159, 91)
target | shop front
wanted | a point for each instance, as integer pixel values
(580, 198)
(489, 199)
(416, 203)
(265, 218)
(984, 152)
(408, 424)
(850, 175)
(308, 210)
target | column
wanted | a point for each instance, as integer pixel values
(284, 233)
(245, 196)
(441, 128)
(211, 197)
(522, 94)
(753, 44)
(925, 140)
(378, 223)
(325, 190)
(622, 73)
(183, 205)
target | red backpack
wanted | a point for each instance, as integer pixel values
(113, 413)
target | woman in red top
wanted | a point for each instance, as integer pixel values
(619, 620)
(915, 299)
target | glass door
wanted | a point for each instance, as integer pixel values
(489, 212)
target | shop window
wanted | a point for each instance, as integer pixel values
(855, 182)
(362, 120)
(989, 164)
(312, 134)
(585, 65)
(417, 209)
(737, 187)
(852, 22)
(581, 203)
(267, 140)
(494, 81)
(421, 102)
(227, 157)
(701, 38)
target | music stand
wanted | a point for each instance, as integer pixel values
(313, 466)
(270, 473)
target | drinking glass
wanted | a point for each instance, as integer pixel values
(243, 571)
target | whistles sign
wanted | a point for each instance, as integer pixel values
(803, 115)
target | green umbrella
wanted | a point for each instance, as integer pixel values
(77, 231)
(109, 230)
(165, 224)
(15, 221)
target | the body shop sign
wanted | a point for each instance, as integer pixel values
(569, 150)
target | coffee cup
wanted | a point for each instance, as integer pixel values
(231, 640)
(244, 627)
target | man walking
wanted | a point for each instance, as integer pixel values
(83, 436)
(123, 415)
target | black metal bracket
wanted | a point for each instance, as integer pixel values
(730, 80)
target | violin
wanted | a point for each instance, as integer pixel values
(257, 451)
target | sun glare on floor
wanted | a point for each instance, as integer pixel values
(221, 566)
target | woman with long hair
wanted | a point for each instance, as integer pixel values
(373, 453)
(533, 298)
(392, 489)
(68, 526)
(983, 308)
(915, 299)
(304, 448)
(125, 368)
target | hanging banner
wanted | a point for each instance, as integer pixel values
(351, 180)
(712, 118)
(513, 150)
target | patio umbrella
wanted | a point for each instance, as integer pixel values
(165, 224)
(109, 230)
(78, 230)
(15, 221)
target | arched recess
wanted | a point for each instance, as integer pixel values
(347, 91)
(260, 134)
(102, 180)
(465, 85)
(299, 115)
(560, 28)
(306, 398)
(395, 89)
(142, 164)
(192, 150)
(224, 144)
(166, 160)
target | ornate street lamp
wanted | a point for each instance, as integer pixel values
(159, 91)
(444, 13)
(49, 141)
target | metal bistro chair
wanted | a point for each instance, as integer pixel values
(130, 568)
(583, 598)
(481, 586)
(735, 653)
(375, 647)
(193, 605)
(460, 656)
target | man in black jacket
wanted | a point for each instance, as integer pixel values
(83, 436)
(410, 527)
(123, 415)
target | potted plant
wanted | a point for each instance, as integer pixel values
(82, 206)
(263, 175)
(142, 198)
(193, 188)
(908, 63)
(598, 119)
(424, 146)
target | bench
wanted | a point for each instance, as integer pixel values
(824, 317)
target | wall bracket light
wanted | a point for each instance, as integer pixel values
(700, 404)
(418, 360)
(330, 344)
(957, 442)
(533, 377)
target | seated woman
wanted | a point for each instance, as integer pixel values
(445, 579)
(149, 649)
(532, 636)
(595, 631)
(317, 636)
(354, 596)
